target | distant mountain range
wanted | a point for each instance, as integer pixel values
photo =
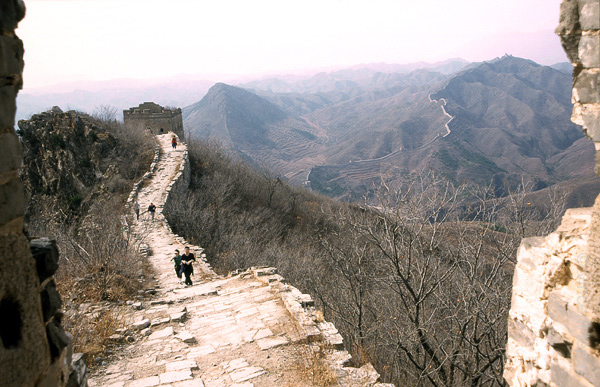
(490, 122)
(122, 94)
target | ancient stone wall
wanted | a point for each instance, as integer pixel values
(154, 118)
(554, 321)
(34, 350)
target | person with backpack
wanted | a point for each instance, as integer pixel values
(174, 142)
(136, 208)
(152, 210)
(177, 260)
(186, 265)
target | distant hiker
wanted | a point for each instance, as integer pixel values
(136, 208)
(152, 210)
(186, 264)
(177, 260)
(174, 142)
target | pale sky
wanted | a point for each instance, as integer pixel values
(73, 40)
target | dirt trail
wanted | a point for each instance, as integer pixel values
(247, 330)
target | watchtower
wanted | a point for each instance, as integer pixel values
(154, 118)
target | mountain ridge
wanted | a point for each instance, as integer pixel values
(491, 122)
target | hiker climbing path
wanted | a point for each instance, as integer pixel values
(247, 330)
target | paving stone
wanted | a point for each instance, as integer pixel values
(175, 376)
(246, 373)
(159, 321)
(201, 351)
(145, 323)
(261, 334)
(145, 382)
(176, 317)
(180, 365)
(235, 364)
(269, 343)
(189, 383)
(186, 337)
(168, 331)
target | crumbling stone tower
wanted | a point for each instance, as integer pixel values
(154, 118)
(554, 320)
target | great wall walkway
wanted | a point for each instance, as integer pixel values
(247, 330)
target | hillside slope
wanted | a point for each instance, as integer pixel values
(262, 132)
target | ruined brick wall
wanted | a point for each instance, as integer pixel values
(554, 321)
(155, 118)
(579, 30)
(34, 350)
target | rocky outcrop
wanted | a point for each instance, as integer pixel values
(34, 349)
(73, 161)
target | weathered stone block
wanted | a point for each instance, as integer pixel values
(589, 14)
(45, 252)
(567, 314)
(8, 107)
(589, 117)
(11, 13)
(142, 324)
(10, 152)
(527, 285)
(559, 343)
(51, 301)
(566, 378)
(11, 52)
(532, 315)
(586, 88)
(78, 376)
(11, 200)
(589, 51)
(520, 333)
(57, 338)
(586, 363)
(531, 253)
(26, 356)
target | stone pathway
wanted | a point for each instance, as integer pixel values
(247, 330)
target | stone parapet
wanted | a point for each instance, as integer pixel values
(302, 308)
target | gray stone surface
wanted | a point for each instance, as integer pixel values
(175, 376)
(561, 311)
(589, 14)
(566, 378)
(589, 51)
(141, 324)
(519, 332)
(586, 88)
(166, 332)
(586, 363)
(51, 301)
(45, 253)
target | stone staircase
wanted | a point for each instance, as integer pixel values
(249, 329)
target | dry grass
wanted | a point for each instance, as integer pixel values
(313, 364)
(91, 332)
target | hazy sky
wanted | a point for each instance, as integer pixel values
(70, 40)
